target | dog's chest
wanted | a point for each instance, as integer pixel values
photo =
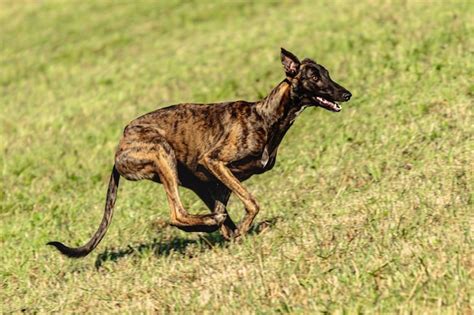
(265, 157)
(253, 164)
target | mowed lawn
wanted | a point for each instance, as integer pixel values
(367, 210)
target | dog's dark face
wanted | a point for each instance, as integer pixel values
(312, 83)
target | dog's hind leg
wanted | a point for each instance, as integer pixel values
(155, 160)
(166, 169)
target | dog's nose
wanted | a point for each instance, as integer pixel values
(346, 96)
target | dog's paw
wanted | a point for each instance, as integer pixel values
(227, 233)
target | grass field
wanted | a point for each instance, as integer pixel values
(371, 209)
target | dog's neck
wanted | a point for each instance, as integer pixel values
(279, 110)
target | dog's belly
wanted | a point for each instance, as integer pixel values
(241, 171)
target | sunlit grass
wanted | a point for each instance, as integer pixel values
(371, 208)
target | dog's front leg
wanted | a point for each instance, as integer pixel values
(221, 195)
(222, 173)
(216, 196)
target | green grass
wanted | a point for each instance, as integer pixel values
(372, 208)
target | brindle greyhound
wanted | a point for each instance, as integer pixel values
(212, 148)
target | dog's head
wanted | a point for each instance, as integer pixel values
(312, 84)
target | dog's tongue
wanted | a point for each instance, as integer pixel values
(329, 105)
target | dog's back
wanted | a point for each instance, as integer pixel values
(194, 129)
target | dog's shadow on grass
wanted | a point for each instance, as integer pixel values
(178, 245)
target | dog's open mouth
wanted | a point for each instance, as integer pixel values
(327, 104)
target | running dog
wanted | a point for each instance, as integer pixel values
(212, 148)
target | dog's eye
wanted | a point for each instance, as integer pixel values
(315, 77)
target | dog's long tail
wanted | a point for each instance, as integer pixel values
(99, 234)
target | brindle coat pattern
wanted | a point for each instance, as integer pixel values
(212, 148)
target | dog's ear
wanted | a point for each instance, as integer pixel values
(290, 63)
